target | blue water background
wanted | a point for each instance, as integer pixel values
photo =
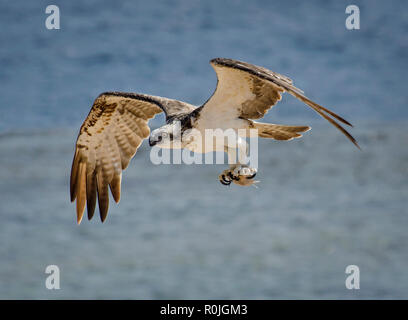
(178, 233)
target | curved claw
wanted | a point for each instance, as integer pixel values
(224, 181)
(233, 177)
(251, 177)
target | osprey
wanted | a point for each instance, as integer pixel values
(118, 123)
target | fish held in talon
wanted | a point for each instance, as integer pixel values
(245, 181)
(243, 176)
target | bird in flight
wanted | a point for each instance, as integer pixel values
(118, 123)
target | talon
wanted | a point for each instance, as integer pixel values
(233, 177)
(251, 177)
(224, 181)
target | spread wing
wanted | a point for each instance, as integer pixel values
(248, 91)
(108, 139)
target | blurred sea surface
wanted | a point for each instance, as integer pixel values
(178, 233)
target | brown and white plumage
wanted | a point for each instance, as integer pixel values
(108, 139)
(118, 123)
(248, 91)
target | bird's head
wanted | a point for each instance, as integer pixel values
(163, 136)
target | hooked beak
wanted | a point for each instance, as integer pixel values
(151, 142)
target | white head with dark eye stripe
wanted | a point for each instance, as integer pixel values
(162, 136)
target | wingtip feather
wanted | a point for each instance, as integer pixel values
(115, 187)
(74, 177)
(90, 195)
(103, 196)
(81, 192)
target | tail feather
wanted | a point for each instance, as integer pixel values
(321, 111)
(279, 132)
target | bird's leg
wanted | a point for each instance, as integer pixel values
(226, 177)
(239, 173)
